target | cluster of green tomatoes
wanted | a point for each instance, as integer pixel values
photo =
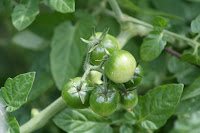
(120, 73)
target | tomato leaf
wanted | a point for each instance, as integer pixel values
(29, 40)
(1, 5)
(195, 25)
(125, 128)
(8, 5)
(63, 6)
(8, 124)
(184, 106)
(191, 58)
(191, 96)
(15, 91)
(82, 121)
(152, 46)
(23, 15)
(67, 50)
(193, 90)
(159, 23)
(184, 72)
(11, 122)
(157, 105)
(43, 79)
(187, 124)
(143, 9)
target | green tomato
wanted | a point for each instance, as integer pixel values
(71, 95)
(95, 77)
(104, 104)
(129, 100)
(120, 66)
(109, 43)
(136, 79)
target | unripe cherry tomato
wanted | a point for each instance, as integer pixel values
(129, 99)
(136, 79)
(120, 66)
(71, 95)
(109, 43)
(104, 104)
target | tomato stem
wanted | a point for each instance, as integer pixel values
(43, 117)
(117, 10)
(105, 83)
(118, 14)
(87, 71)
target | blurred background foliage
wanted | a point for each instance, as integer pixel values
(30, 50)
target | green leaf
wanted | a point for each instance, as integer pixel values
(155, 71)
(194, 0)
(144, 8)
(152, 46)
(167, 6)
(159, 22)
(191, 58)
(8, 6)
(81, 121)
(29, 40)
(157, 105)
(16, 90)
(188, 106)
(24, 15)
(187, 124)
(106, 21)
(67, 50)
(63, 6)
(45, 23)
(184, 72)
(125, 128)
(193, 90)
(2, 103)
(1, 5)
(12, 124)
(43, 79)
(191, 96)
(195, 25)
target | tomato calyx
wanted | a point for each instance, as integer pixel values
(96, 41)
(80, 89)
(129, 99)
(104, 91)
(104, 104)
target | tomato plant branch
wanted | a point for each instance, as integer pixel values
(127, 18)
(173, 52)
(177, 54)
(197, 37)
(43, 117)
(134, 20)
(117, 10)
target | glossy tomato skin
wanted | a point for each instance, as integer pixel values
(71, 96)
(109, 43)
(129, 100)
(136, 79)
(104, 105)
(120, 66)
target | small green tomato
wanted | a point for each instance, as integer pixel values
(109, 43)
(129, 100)
(136, 79)
(71, 94)
(120, 66)
(104, 104)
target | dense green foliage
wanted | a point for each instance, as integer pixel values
(44, 44)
